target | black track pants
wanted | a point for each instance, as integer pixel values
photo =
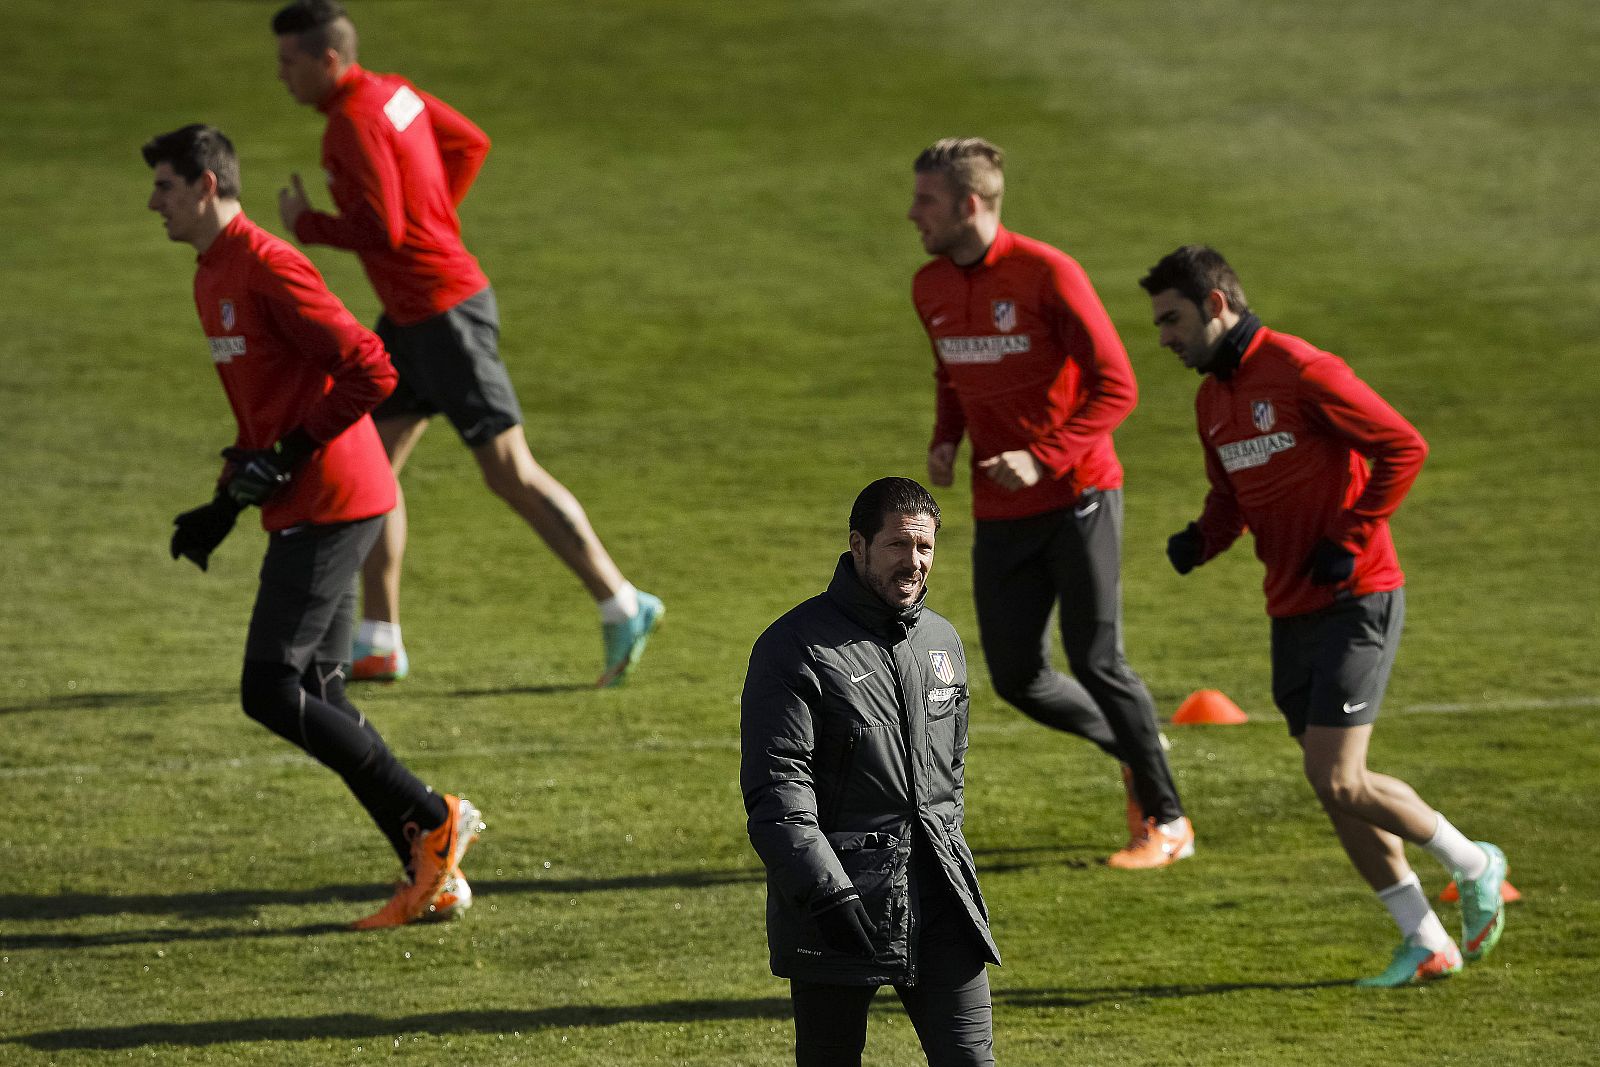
(1070, 559)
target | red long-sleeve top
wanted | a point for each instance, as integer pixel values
(291, 355)
(399, 162)
(1288, 441)
(1026, 358)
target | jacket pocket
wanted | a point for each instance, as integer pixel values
(967, 863)
(872, 862)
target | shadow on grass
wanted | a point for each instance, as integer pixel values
(164, 936)
(353, 1026)
(1007, 860)
(1088, 995)
(243, 902)
(44, 907)
(226, 695)
(525, 690)
(94, 701)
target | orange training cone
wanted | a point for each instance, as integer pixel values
(1209, 706)
(1508, 893)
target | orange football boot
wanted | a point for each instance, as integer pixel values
(434, 855)
(1156, 847)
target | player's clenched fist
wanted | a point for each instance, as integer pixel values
(1186, 549)
(942, 465)
(292, 203)
(1013, 470)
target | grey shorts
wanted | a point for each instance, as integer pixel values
(451, 364)
(1331, 667)
(305, 606)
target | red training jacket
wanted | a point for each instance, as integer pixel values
(399, 162)
(1287, 439)
(290, 354)
(1026, 357)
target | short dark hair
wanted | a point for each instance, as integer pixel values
(890, 496)
(320, 25)
(1195, 270)
(193, 150)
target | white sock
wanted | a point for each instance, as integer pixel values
(1409, 908)
(1432, 935)
(622, 607)
(381, 636)
(1453, 849)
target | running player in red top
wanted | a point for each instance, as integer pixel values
(399, 162)
(1313, 462)
(1030, 368)
(301, 375)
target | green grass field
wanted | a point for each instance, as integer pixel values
(694, 220)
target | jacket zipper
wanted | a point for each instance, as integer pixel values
(845, 766)
(914, 820)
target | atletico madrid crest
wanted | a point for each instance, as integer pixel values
(942, 667)
(1005, 315)
(227, 315)
(1262, 415)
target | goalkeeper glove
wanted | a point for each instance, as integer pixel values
(1186, 549)
(260, 472)
(1330, 563)
(198, 532)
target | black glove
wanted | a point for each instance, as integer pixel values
(1186, 549)
(1330, 563)
(845, 927)
(197, 533)
(260, 472)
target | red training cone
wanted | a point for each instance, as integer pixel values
(1209, 706)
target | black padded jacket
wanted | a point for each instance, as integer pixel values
(853, 741)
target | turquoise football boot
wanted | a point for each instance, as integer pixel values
(625, 640)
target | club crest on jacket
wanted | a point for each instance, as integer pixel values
(1262, 415)
(943, 669)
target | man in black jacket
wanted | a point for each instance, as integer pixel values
(854, 736)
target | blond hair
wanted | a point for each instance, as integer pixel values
(973, 165)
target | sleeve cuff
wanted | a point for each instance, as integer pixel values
(834, 899)
(297, 445)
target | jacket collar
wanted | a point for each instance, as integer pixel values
(224, 239)
(1004, 241)
(866, 607)
(347, 80)
(999, 248)
(1233, 346)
